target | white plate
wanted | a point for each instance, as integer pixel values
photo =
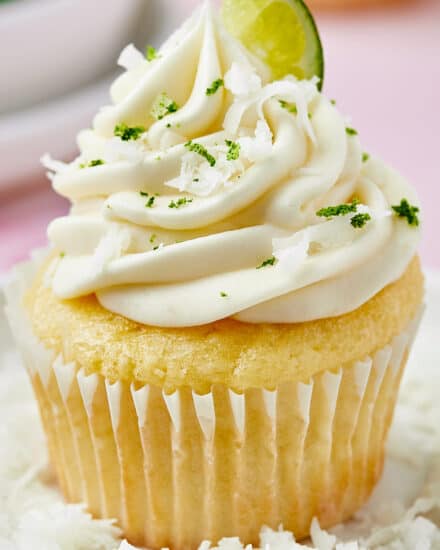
(412, 468)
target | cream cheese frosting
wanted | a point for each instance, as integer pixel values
(211, 211)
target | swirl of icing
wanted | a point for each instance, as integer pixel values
(195, 195)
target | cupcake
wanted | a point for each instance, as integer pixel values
(217, 334)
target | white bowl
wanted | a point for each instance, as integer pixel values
(52, 47)
(46, 128)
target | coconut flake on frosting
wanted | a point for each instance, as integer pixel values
(54, 166)
(199, 178)
(291, 251)
(118, 150)
(242, 80)
(301, 93)
(260, 146)
(111, 247)
(130, 58)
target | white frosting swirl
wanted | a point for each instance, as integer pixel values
(196, 263)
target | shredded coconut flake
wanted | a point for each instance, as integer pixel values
(111, 247)
(242, 80)
(130, 58)
(199, 178)
(118, 150)
(54, 166)
(259, 147)
(290, 90)
(125, 546)
(230, 543)
(279, 540)
(66, 527)
(291, 251)
(320, 538)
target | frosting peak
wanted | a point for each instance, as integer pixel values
(195, 194)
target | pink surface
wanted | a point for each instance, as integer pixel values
(383, 68)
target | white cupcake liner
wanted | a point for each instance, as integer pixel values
(153, 460)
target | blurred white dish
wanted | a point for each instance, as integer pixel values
(52, 47)
(25, 136)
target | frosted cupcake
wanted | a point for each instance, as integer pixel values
(217, 336)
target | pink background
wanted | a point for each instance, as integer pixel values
(382, 67)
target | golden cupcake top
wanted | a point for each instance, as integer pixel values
(209, 190)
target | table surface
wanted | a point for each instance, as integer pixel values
(382, 67)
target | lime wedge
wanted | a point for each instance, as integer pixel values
(282, 33)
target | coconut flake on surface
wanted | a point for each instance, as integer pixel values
(320, 538)
(130, 58)
(67, 527)
(126, 546)
(279, 540)
(413, 532)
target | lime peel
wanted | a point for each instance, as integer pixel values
(282, 33)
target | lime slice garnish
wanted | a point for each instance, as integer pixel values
(282, 33)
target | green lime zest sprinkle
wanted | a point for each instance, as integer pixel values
(150, 202)
(215, 86)
(223, 294)
(156, 247)
(96, 162)
(333, 101)
(200, 150)
(291, 107)
(234, 150)
(163, 106)
(268, 262)
(128, 133)
(62, 254)
(339, 210)
(408, 211)
(183, 201)
(360, 220)
(365, 157)
(153, 238)
(351, 131)
(92, 163)
(150, 53)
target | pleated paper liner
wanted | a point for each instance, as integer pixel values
(178, 469)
